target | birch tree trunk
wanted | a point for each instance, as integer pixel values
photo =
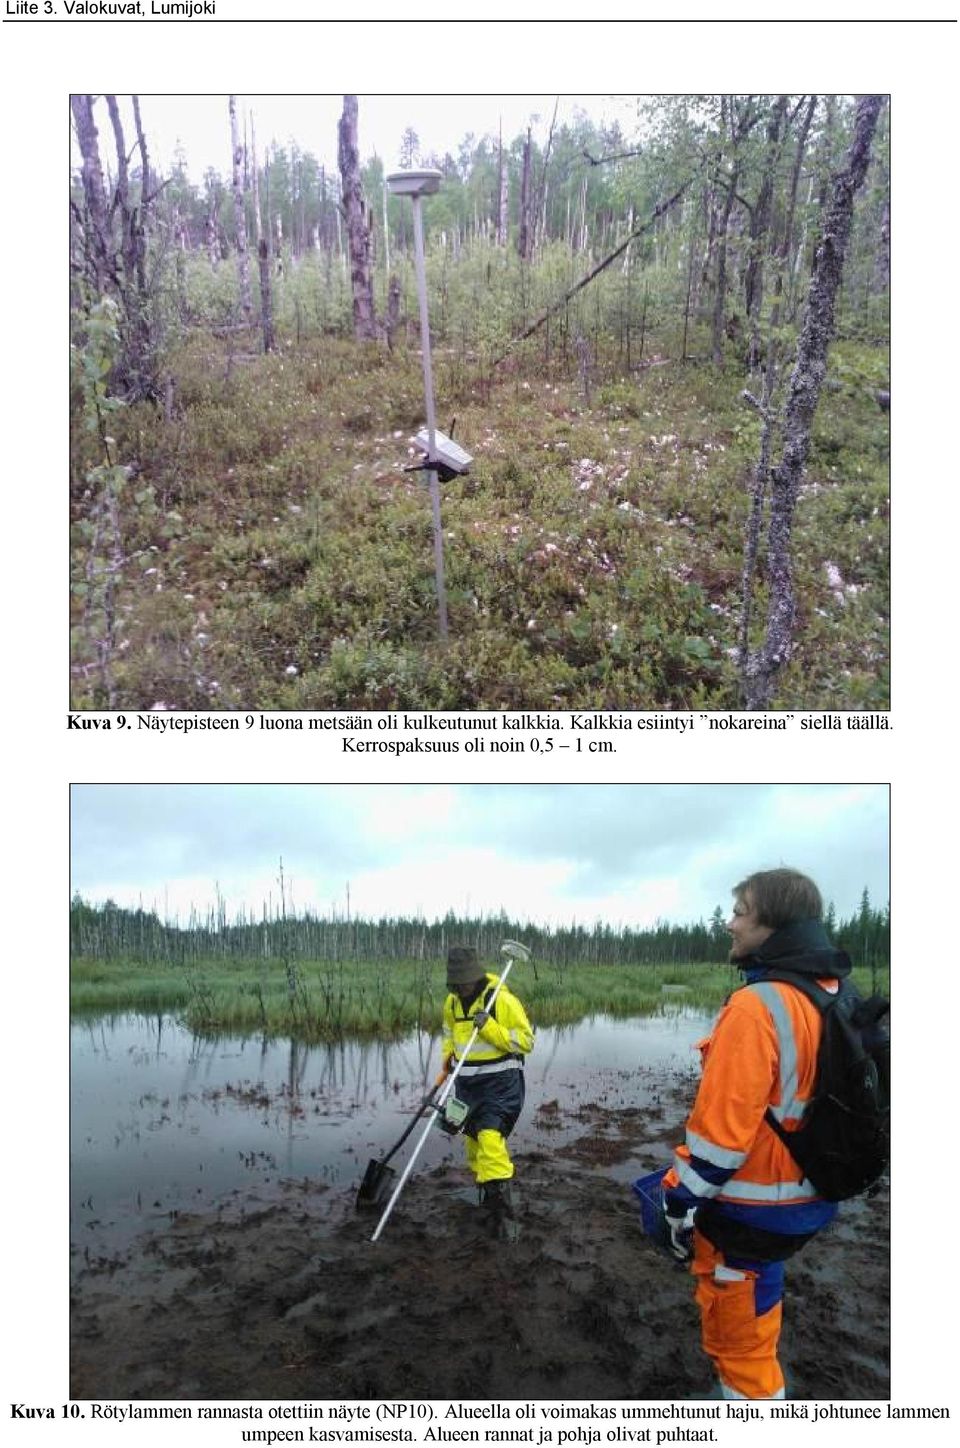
(358, 229)
(761, 668)
(239, 209)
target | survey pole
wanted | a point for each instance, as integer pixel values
(432, 477)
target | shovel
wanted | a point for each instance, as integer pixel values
(378, 1178)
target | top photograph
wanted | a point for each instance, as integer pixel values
(459, 402)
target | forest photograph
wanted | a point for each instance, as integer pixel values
(584, 405)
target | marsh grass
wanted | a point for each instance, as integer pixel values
(386, 999)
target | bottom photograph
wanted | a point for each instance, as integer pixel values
(480, 1092)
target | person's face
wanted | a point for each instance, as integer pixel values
(747, 932)
(467, 992)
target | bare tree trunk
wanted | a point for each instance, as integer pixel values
(502, 197)
(540, 208)
(266, 296)
(741, 122)
(759, 226)
(761, 668)
(255, 187)
(239, 209)
(95, 229)
(524, 240)
(137, 371)
(358, 229)
(393, 310)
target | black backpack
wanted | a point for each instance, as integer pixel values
(843, 1142)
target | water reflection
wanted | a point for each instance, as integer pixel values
(164, 1121)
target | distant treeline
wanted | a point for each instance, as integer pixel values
(110, 932)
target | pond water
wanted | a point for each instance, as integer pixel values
(162, 1121)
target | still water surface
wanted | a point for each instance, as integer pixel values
(162, 1121)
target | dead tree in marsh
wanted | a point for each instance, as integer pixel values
(239, 211)
(358, 226)
(760, 668)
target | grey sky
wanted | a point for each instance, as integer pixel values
(626, 854)
(201, 123)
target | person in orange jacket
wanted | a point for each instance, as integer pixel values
(737, 1205)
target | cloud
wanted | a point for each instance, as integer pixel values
(622, 853)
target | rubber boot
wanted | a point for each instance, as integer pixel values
(496, 1199)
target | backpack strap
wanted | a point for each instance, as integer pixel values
(806, 984)
(822, 999)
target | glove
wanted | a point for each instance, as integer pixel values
(480, 1019)
(680, 1230)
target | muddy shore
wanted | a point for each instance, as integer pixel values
(279, 1294)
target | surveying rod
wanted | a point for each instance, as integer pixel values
(431, 417)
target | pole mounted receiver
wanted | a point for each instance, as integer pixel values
(415, 183)
(514, 950)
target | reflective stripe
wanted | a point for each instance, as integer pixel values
(693, 1181)
(485, 1067)
(732, 1395)
(790, 1105)
(716, 1155)
(728, 1274)
(741, 1191)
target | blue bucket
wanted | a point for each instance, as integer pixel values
(649, 1192)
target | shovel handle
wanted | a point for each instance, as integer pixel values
(427, 1101)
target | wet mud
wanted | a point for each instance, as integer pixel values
(279, 1294)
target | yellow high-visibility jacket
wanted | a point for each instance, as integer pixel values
(502, 1043)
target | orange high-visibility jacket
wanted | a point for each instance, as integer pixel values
(762, 1052)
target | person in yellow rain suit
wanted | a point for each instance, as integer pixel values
(737, 1204)
(490, 1082)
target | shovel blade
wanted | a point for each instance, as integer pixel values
(377, 1184)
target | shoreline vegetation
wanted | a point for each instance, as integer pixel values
(317, 978)
(316, 1001)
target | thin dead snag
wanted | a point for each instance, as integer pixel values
(759, 669)
(594, 272)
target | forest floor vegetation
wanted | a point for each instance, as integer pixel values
(273, 554)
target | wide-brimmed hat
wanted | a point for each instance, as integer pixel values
(463, 967)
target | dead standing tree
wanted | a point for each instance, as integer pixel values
(114, 236)
(358, 226)
(239, 204)
(761, 667)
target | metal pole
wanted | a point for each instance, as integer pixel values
(434, 481)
